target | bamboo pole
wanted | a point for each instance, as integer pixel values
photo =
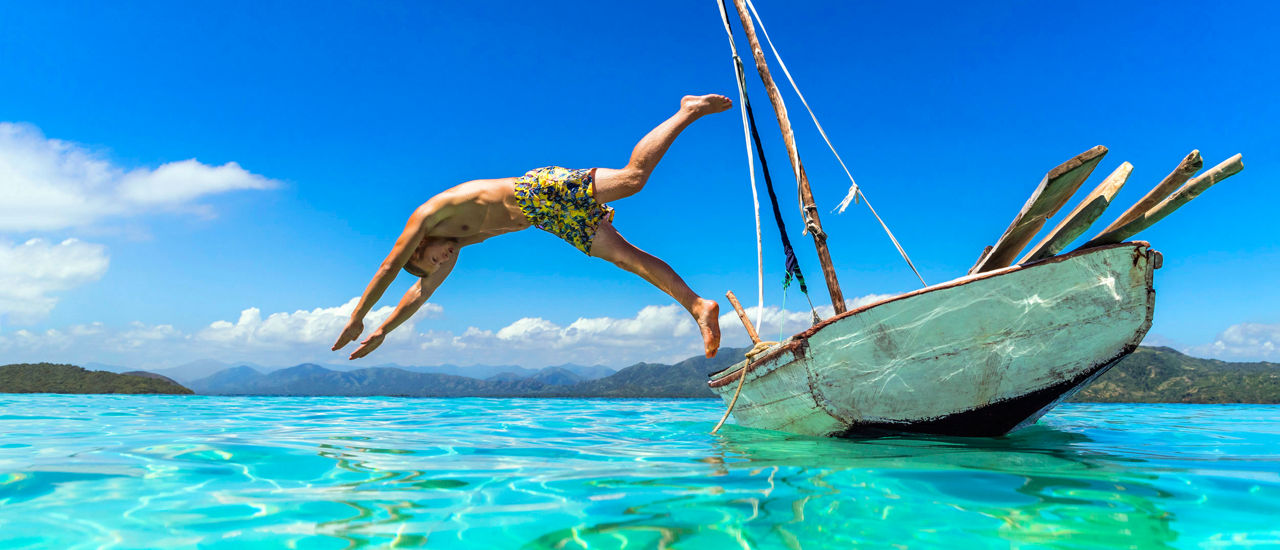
(1187, 168)
(1080, 218)
(811, 221)
(1183, 195)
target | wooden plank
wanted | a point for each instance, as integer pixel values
(1054, 190)
(1083, 216)
(1187, 168)
(1183, 195)
(812, 223)
(981, 257)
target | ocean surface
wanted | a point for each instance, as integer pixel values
(273, 472)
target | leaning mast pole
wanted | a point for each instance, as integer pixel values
(811, 221)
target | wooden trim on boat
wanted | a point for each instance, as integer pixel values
(799, 343)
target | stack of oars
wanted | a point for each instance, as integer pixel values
(1175, 190)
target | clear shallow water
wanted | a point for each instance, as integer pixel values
(183, 471)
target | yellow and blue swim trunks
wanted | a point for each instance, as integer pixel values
(562, 202)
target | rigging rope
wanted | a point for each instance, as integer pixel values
(755, 199)
(792, 266)
(854, 190)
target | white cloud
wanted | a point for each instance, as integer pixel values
(32, 273)
(1243, 342)
(305, 328)
(785, 322)
(655, 334)
(50, 184)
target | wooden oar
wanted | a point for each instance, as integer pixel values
(1187, 168)
(1079, 220)
(1054, 190)
(1183, 195)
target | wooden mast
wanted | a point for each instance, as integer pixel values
(811, 221)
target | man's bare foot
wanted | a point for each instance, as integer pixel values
(707, 313)
(700, 105)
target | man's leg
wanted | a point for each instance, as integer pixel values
(613, 184)
(609, 245)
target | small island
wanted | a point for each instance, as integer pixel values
(54, 378)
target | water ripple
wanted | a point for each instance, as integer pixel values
(187, 471)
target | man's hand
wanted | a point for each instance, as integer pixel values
(350, 333)
(371, 343)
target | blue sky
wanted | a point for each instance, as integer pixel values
(341, 119)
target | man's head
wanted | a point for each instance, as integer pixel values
(431, 252)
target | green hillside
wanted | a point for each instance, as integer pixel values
(687, 378)
(1162, 375)
(51, 378)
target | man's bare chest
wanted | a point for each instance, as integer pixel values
(480, 220)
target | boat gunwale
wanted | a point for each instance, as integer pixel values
(802, 338)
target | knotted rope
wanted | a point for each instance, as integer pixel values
(759, 348)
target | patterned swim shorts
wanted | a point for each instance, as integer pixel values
(561, 201)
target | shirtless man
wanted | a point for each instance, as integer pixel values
(571, 204)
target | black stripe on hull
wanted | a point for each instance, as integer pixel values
(994, 419)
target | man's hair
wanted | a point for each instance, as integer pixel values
(414, 271)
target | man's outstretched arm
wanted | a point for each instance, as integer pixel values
(409, 304)
(420, 224)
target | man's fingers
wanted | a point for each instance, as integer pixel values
(349, 334)
(342, 342)
(360, 352)
(365, 347)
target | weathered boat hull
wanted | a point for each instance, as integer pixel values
(981, 355)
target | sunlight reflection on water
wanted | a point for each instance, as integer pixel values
(173, 471)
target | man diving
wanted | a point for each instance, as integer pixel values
(571, 204)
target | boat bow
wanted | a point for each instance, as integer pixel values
(980, 355)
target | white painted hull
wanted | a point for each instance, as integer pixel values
(980, 355)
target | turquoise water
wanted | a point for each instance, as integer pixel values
(234, 472)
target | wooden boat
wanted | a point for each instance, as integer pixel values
(980, 355)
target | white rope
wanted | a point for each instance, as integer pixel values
(751, 167)
(854, 190)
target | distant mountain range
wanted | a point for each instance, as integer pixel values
(684, 379)
(196, 370)
(1149, 375)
